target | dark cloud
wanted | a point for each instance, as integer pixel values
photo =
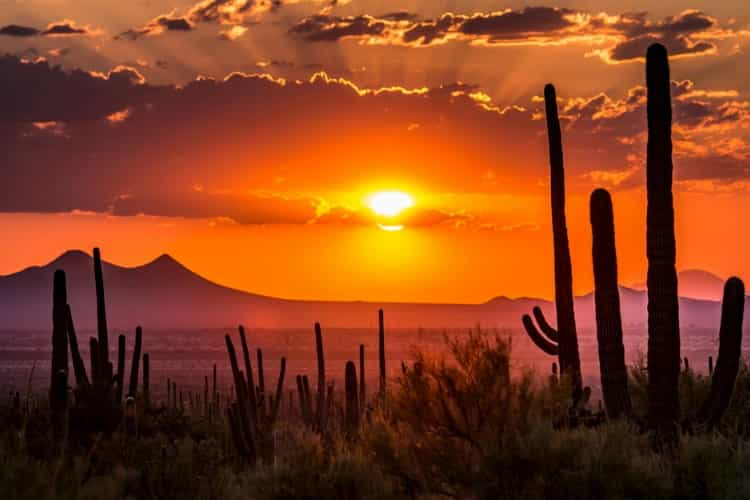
(624, 37)
(325, 28)
(61, 28)
(64, 28)
(225, 148)
(19, 31)
(158, 25)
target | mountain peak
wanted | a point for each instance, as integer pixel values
(71, 259)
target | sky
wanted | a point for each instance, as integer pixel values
(245, 138)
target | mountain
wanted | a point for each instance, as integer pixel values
(165, 294)
(696, 284)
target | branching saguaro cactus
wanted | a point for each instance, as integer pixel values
(563, 341)
(663, 314)
(614, 372)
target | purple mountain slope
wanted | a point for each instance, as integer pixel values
(165, 294)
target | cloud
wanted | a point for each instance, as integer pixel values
(157, 26)
(60, 28)
(18, 31)
(217, 148)
(613, 37)
(234, 15)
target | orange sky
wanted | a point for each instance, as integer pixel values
(244, 141)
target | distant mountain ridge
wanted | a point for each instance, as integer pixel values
(165, 294)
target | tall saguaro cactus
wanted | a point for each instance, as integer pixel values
(101, 319)
(663, 308)
(351, 418)
(322, 405)
(564, 340)
(381, 351)
(134, 366)
(614, 373)
(59, 368)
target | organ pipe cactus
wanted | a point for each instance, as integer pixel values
(562, 341)
(614, 373)
(663, 317)
(146, 380)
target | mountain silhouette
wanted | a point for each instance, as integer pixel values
(696, 284)
(164, 294)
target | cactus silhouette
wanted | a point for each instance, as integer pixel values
(322, 403)
(663, 317)
(134, 367)
(59, 368)
(146, 380)
(362, 394)
(351, 419)
(381, 352)
(120, 375)
(614, 372)
(562, 341)
(728, 362)
(101, 320)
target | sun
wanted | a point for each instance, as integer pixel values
(390, 203)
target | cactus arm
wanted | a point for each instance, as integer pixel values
(351, 418)
(538, 339)
(550, 332)
(321, 401)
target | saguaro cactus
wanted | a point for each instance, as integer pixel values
(322, 405)
(82, 380)
(133, 387)
(362, 395)
(352, 402)
(381, 352)
(59, 368)
(614, 373)
(663, 317)
(728, 362)
(120, 375)
(101, 320)
(564, 340)
(146, 380)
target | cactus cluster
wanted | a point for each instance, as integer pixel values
(663, 303)
(253, 414)
(97, 403)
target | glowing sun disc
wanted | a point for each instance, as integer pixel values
(390, 203)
